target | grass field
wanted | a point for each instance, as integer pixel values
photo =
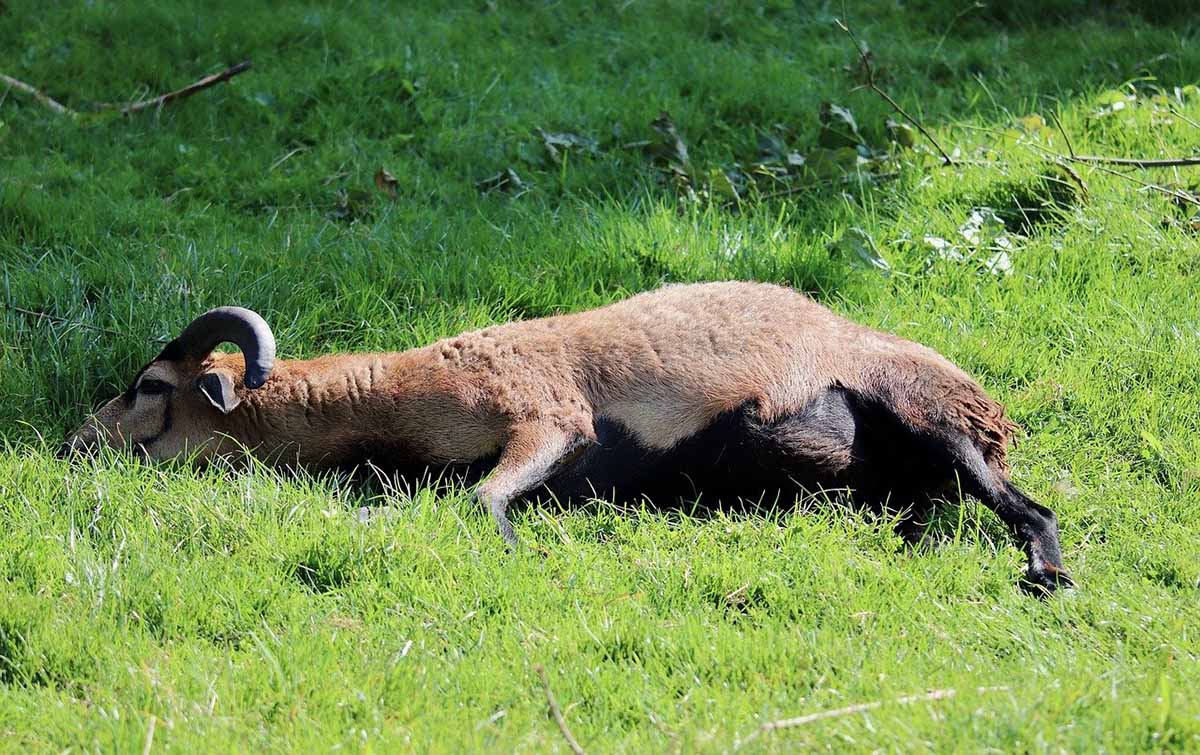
(171, 609)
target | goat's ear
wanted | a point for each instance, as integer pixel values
(217, 387)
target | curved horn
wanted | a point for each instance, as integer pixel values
(235, 325)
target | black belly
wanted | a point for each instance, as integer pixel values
(736, 457)
(834, 444)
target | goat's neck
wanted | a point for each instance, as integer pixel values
(326, 411)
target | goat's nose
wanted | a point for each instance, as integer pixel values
(70, 447)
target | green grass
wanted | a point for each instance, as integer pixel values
(223, 610)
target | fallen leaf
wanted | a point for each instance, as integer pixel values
(982, 227)
(670, 149)
(901, 133)
(352, 204)
(386, 182)
(558, 142)
(773, 151)
(506, 180)
(838, 127)
(858, 246)
(1065, 486)
(831, 164)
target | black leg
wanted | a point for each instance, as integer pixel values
(914, 518)
(1033, 525)
(1037, 528)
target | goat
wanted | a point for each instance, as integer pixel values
(736, 387)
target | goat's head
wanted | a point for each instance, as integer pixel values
(177, 403)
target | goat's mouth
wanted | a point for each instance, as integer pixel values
(78, 444)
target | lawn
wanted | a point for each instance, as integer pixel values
(166, 608)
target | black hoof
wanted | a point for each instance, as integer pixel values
(1044, 582)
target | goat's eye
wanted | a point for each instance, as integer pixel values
(152, 387)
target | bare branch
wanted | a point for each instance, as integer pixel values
(133, 107)
(1063, 131)
(1065, 161)
(39, 95)
(557, 713)
(1182, 196)
(187, 91)
(849, 710)
(874, 87)
(1134, 162)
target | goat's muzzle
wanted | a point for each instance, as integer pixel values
(82, 441)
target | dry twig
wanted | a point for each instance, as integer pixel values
(557, 712)
(1063, 131)
(39, 95)
(187, 91)
(1182, 196)
(849, 710)
(149, 744)
(1065, 161)
(1135, 162)
(869, 69)
(133, 107)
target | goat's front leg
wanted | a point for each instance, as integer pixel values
(533, 453)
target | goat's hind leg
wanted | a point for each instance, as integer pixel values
(1034, 525)
(1037, 527)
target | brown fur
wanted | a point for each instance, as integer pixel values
(663, 364)
(665, 367)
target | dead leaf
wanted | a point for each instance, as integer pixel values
(983, 227)
(556, 143)
(858, 246)
(832, 164)
(838, 127)
(670, 148)
(352, 204)
(772, 150)
(901, 133)
(506, 180)
(386, 182)
(1065, 486)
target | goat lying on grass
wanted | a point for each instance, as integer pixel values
(737, 388)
